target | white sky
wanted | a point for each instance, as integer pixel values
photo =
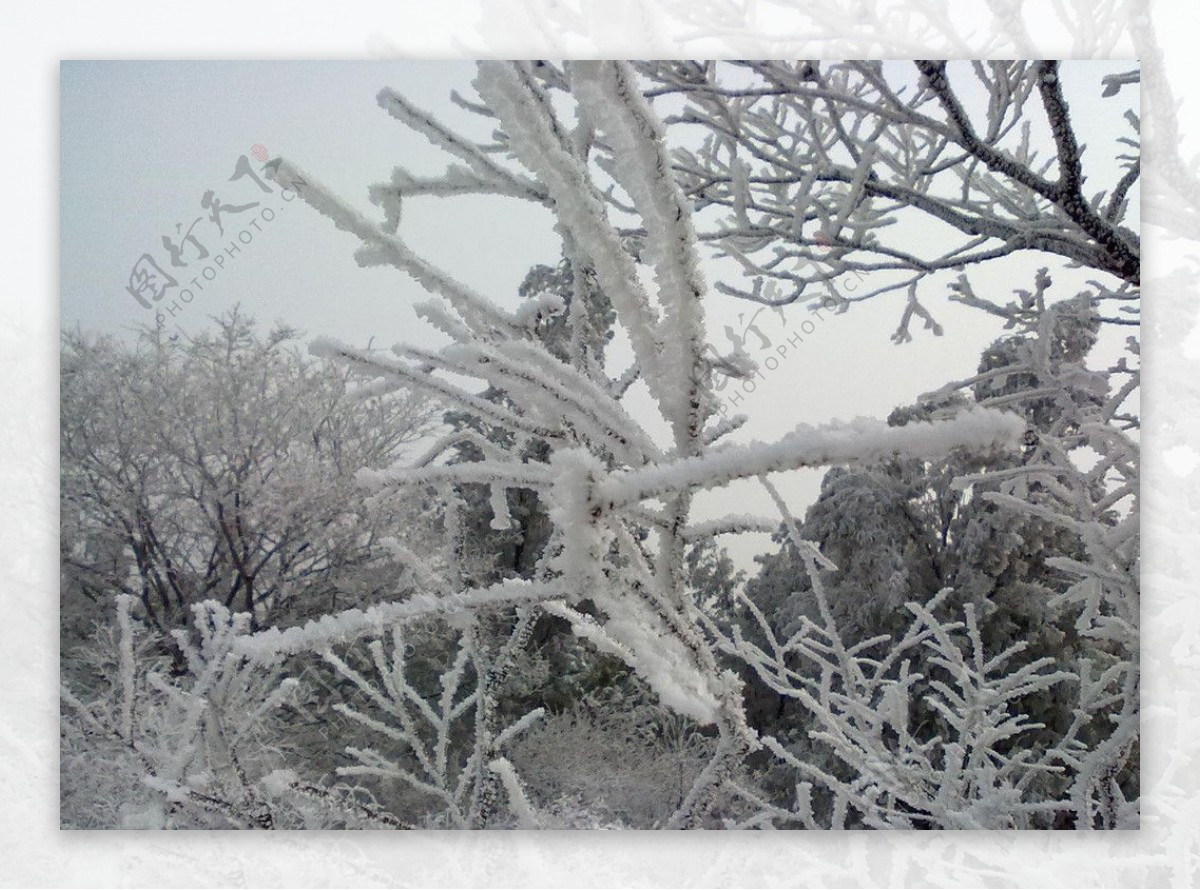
(143, 141)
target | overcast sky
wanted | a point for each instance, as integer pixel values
(143, 142)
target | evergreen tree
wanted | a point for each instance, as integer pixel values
(901, 531)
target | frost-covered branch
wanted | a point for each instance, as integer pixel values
(926, 728)
(812, 174)
(189, 736)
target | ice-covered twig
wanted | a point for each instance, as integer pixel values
(860, 441)
(384, 247)
(344, 627)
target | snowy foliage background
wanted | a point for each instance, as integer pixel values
(891, 858)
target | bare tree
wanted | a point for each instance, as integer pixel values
(220, 468)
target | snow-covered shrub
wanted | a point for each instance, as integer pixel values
(616, 754)
(193, 735)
